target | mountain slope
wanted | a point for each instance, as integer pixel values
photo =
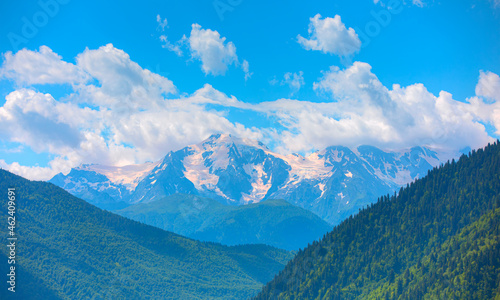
(466, 266)
(272, 222)
(74, 250)
(333, 183)
(439, 238)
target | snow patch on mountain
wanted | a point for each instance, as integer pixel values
(198, 172)
(129, 175)
(310, 167)
(259, 188)
(321, 187)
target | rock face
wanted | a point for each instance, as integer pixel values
(332, 183)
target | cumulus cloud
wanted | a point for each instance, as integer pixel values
(486, 104)
(124, 85)
(126, 114)
(488, 86)
(82, 135)
(42, 123)
(45, 125)
(212, 50)
(330, 35)
(361, 88)
(363, 111)
(40, 67)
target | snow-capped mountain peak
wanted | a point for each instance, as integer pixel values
(332, 183)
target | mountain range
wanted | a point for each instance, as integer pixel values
(333, 183)
(437, 238)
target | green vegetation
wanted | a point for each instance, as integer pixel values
(271, 222)
(69, 249)
(439, 238)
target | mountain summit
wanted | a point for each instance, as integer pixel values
(333, 183)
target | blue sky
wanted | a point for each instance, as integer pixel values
(119, 83)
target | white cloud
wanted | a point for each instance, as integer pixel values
(128, 118)
(358, 86)
(176, 47)
(125, 118)
(39, 67)
(209, 95)
(212, 50)
(161, 23)
(486, 104)
(124, 85)
(294, 81)
(207, 46)
(44, 124)
(32, 173)
(366, 112)
(330, 35)
(245, 66)
(39, 121)
(78, 135)
(488, 86)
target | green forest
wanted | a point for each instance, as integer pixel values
(272, 222)
(438, 238)
(69, 249)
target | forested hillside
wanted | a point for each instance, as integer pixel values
(439, 238)
(69, 249)
(272, 222)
